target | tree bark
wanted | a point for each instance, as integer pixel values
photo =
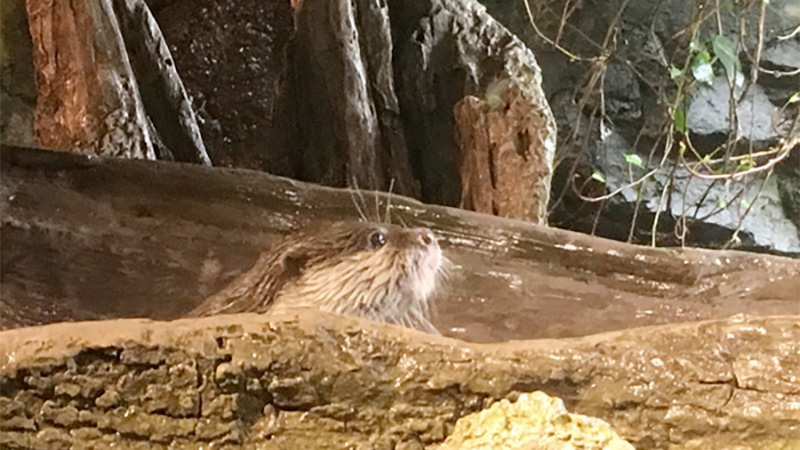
(506, 169)
(164, 98)
(348, 114)
(446, 50)
(308, 380)
(89, 97)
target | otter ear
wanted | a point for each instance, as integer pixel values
(293, 264)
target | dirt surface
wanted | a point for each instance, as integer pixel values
(87, 238)
(267, 381)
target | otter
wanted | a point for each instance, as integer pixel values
(378, 271)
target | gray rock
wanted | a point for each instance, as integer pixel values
(16, 123)
(783, 53)
(766, 226)
(709, 109)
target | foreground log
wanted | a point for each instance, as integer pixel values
(86, 238)
(311, 380)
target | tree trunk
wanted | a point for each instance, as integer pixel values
(105, 82)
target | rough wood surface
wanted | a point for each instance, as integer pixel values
(313, 381)
(105, 82)
(347, 107)
(87, 99)
(101, 238)
(446, 50)
(170, 113)
(507, 165)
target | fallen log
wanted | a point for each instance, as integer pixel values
(311, 380)
(89, 238)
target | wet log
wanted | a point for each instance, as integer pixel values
(308, 380)
(106, 84)
(88, 238)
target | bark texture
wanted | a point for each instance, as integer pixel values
(169, 110)
(348, 111)
(446, 50)
(376, 85)
(310, 380)
(87, 57)
(507, 163)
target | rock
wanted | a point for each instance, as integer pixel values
(766, 226)
(232, 58)
(708, 113)
(308, 380)
(622, 90)
(17, 121)
(534, 421)
(17, 85)
(648, 37)
(716, 208)
(784, 54)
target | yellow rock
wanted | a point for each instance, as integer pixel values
(535, 421)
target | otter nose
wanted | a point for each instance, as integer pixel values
(425, 236)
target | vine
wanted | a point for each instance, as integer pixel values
(701, 52)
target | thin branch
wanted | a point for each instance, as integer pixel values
(611, 194)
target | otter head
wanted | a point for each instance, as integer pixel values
(378, 271)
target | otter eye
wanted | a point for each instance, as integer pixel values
(377, 239)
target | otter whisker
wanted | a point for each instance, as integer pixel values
(353, 188)
(387, 215)
(402, 222)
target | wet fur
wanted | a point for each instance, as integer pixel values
(333, 267)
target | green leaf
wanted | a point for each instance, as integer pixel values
(598, 176)
(794, 98)
(679, 119)
(745, 204)
(703, 56)
(721, 203)
(633, 159)
(725, 50)
(674, 72)
(744, 165)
